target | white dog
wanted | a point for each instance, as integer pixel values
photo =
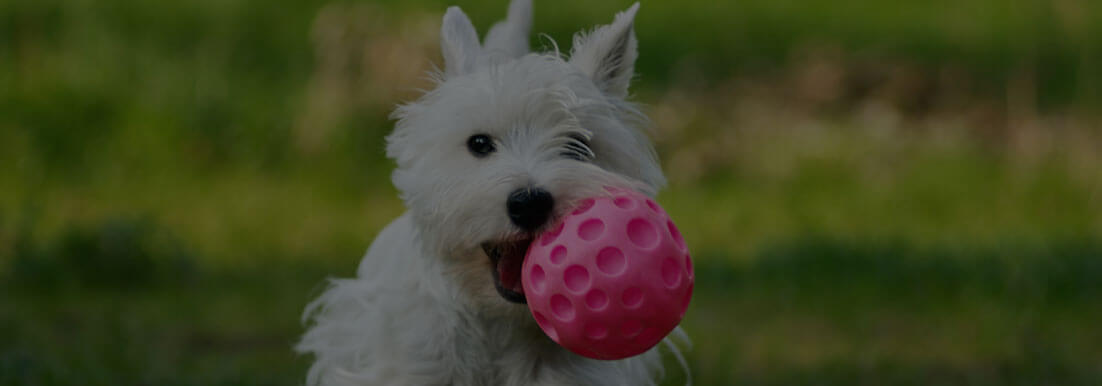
(504, 144)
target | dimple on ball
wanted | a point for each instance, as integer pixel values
(611, 279)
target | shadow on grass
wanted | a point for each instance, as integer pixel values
(817, 311)
(123, 302)
(1067, 271)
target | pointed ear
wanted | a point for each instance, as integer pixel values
(608, 53)
(510, 36)
(459, 43)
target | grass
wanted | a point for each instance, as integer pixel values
(811, 310)
(874, 192)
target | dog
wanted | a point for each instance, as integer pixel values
(504, 145)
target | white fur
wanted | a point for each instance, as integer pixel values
(422, 309)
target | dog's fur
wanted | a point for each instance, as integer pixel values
(423, 309)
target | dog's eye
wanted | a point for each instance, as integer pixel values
(577, 149)
(480, 145)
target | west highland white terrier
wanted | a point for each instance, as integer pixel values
(505, 144)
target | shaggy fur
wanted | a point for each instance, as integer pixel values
(423, 309)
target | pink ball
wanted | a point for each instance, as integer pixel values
(611, 279)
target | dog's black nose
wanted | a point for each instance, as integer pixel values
(529, 208)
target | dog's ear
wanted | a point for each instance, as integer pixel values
(509, 37)
(458, 43)
(607, 54)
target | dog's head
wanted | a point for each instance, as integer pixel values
(509, 140)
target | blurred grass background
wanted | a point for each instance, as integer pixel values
(875, 192)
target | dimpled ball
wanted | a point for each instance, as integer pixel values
(611, 279)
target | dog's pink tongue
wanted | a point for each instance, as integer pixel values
(508, 270)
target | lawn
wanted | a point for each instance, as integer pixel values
(873, 192)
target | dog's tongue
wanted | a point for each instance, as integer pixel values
(508, 270)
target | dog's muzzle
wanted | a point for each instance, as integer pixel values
(506, 261)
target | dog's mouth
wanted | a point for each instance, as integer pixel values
(506, 260)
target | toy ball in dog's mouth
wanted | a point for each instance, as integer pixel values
(506, 258)
(611, 279)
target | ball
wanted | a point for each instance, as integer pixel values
(611, 279)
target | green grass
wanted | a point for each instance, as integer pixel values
(86, 82)
(811, 310)
(874, 192)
